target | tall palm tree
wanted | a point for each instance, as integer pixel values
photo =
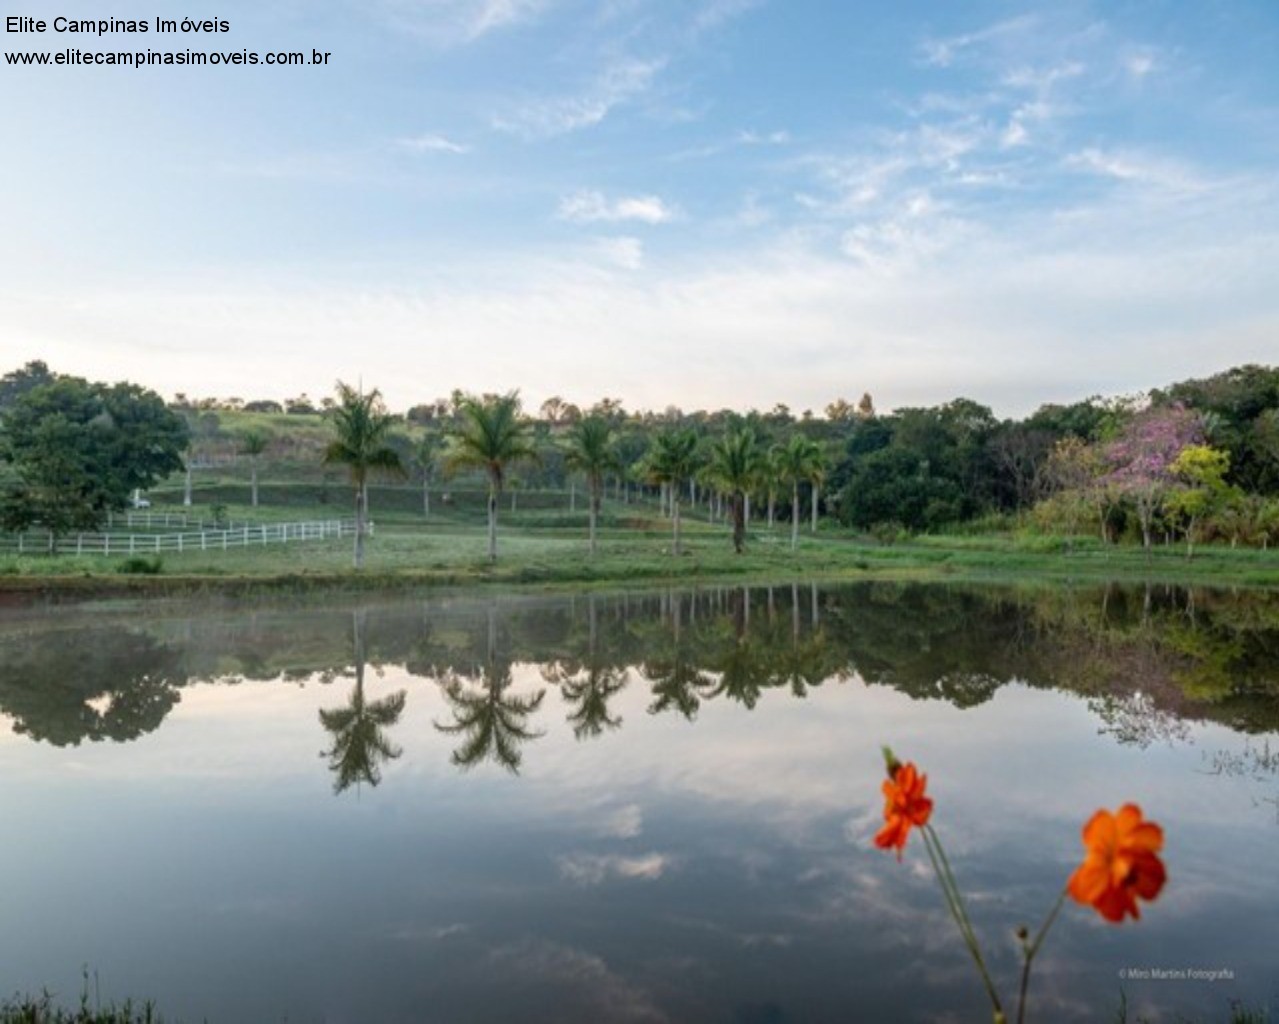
(363, 427)
(424, 457)
(816, 478)
(735, 465)
(253, 443)
(671, 461)
(592, 453)
(492, 435)
(798, 461)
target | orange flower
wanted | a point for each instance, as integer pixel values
(1121, 864)
(904, 805)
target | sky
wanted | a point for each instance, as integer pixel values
(699, 203)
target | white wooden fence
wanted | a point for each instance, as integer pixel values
(218, 539)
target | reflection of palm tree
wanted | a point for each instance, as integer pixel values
(589, 686)
(670, 669)
(588, 690)
(492, 721)
(360, 746)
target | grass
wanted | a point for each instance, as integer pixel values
(543, 545)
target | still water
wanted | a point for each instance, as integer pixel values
(638, 807)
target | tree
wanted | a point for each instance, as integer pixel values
(1142, 456)
(671, 461)
(15, 384)
(425, 453)
(797, 461)
(735, 466)
(363, 428)
(77, 450)
(591, 452)
(253, 443)
(492, 435)
(1203, 470)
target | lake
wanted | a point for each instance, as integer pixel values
(636, 807)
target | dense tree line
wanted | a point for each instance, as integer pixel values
(1196, 460)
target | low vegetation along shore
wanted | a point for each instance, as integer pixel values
(545, 549)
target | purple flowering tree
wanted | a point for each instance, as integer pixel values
(1141, 458)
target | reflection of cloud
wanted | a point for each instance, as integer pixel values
(624, 823)
(584, 986)
(593, 869)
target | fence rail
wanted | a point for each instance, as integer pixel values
(221, 539)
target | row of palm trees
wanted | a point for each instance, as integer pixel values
(492, 435)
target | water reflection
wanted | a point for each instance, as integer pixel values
(1147, 660)
(360, 744)
(491, 720)
(688, 834)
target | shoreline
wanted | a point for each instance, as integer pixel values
(943, 560)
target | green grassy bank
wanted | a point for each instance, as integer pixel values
(546, 548)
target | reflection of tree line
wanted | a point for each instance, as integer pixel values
(1147, 659)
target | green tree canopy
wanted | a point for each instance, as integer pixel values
(77, 449)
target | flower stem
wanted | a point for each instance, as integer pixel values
(1029, 954)
(955, 903)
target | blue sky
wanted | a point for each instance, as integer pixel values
(704, 203)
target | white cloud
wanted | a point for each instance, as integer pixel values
(944, 52)
(431, 144)
(622, 251)
(1140, 63)
(619, 83)
(753, 138)
(451, 22)
(589, 206)
(1140, 169)
(715, 13)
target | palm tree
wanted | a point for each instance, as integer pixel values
(672, 460)
(492, 435)
(815, 477)
(735, 467)
(592, 453)
(253, 443)
(424, 456)
(800, 459)
(363, 426)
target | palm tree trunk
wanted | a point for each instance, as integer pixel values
(675, 521)
(426, 496)
(595, 511)
(772, 502)
(739, 505)
(572, 494)
(794, 515)
(253, 480)
(746, 506)
(359, 526)
(817, 491)
(186, 492)
(492, 522)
